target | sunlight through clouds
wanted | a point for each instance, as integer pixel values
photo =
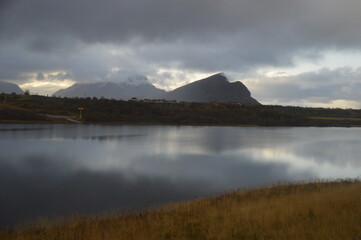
(46, 83)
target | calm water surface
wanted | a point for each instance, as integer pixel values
(59, 170)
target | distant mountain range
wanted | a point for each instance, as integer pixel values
(9, 88)
(111, 90)
(215, 88)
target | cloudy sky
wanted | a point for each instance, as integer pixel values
(287, 52)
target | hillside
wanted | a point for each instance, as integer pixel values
(8, 88)
(215, 88)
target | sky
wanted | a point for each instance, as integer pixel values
(288, 52)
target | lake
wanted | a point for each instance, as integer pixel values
(59, 170)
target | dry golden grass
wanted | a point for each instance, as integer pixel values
(336, 118)
(327, 210)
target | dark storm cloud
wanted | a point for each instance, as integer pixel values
(200, 35)
(109, 20)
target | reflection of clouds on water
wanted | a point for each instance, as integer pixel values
(43, 188)
(67, 131)
(215, 140)
(338, 152)
(224, 172)
(63, 169)
(39, 186)
(299, 163)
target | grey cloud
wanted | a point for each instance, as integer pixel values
(87, 64)
(282, 23)
(287, 22)
(325, 85)
(79, 37)
(60, 76)
(212, 35)
(284, 93)
(41, 45)
(40, 76)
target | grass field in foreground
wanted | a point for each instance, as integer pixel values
(324, 210)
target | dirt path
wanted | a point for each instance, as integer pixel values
(63, 117)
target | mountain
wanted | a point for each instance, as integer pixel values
(125, 90)
(215, 88)
(6, 87)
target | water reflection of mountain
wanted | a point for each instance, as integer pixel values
(19, 129)
(64, 169)
(222, 139)
(112, 137)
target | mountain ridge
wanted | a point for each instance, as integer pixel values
(111, 90)
(6, 87)
(215, 88)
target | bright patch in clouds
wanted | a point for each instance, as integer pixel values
(46, 87)
(278, 74)
(171, 78)
(46, 83)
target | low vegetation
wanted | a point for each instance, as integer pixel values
(323, 210)
(30, 108)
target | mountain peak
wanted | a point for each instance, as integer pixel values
(215, 88)
(222, 74)
(6, 87)
(218, 76)
(127, 77)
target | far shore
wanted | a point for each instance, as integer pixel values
(156, 124)
(41, 109)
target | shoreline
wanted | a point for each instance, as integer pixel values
(175, 125)
(168, 124)
(303, 210)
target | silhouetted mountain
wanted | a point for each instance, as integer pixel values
(215, 88)
(6, 87)
(126, 90)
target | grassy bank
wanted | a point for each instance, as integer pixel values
(303, 211)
